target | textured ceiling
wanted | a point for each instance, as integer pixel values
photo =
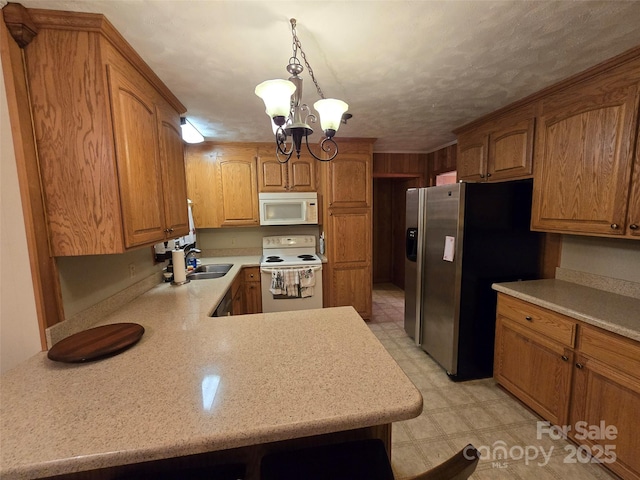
(411, 71)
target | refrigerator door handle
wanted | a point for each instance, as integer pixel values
(412, 244)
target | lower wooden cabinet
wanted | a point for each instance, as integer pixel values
(523, 358)
(593, 387)
(252, 290)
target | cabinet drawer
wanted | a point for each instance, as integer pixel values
(614, 350)
(251, 274)
(541, 320)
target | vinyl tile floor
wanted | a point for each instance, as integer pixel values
(476, 412)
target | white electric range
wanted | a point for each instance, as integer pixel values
(280, 256)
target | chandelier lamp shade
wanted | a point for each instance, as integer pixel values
(290, 117)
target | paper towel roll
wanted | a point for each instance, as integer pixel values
(179, 273)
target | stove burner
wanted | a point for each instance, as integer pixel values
(306, 256)
(273, 259)
(309, 259)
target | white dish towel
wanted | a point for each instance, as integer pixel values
(293, 282)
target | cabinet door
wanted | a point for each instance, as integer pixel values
(634, 195)
(173, 172)
(583, 156)
(252, 290)
(472, 156)
(302, 173)
(202, 184)
(272, 175)
(351, 286)
(533, 368)
(238, 189)
(349, 244)
(511, 151)
(138, 158)
(349, 181)
(603, 394)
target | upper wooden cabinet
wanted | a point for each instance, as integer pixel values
(100, 119)
(297, 175)
(501, 149)
(173, 171)
(584, 156)
(222, 184)
(347, 182)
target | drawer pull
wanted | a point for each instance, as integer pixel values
(615, 226)
(579, 366)
(633, 226)
(565, 358)
(481, 175)
(488, 175)
(528, 318)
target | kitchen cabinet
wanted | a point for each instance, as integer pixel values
(100, 119)
(222, 184)
(174, 183)
(584, 181)
(500, 149)
(606, 388)
(252, 290)
(572, 374)
(531, 344)
(298, 174)
(347, 212)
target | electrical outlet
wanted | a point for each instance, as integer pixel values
(233, 240)
(132, 270)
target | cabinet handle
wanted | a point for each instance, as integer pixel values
(615, 226)
(481, 175)
(171, 230)
(633, 226)
(528, 318)
(488, 175)
(565, 358)
(580, 366)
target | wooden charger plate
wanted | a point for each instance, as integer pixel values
(96, 343)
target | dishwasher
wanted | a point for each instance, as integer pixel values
(224, 308)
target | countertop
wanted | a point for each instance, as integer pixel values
(194, 384)
(616, 313)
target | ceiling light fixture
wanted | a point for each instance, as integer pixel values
(283, 102)
(189, 133)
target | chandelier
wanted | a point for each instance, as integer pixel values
(290, 117)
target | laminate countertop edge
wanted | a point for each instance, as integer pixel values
(612, 312)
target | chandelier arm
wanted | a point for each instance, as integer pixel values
(324, 149)
(281, 146)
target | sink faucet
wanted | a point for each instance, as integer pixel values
(191, 254)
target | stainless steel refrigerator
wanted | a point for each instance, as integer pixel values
(460, 239)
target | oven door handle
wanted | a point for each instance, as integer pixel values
(271, 270)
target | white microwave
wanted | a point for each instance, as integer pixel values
(288, 208)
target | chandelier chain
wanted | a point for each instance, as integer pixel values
(298, 46)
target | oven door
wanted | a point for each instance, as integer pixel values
(271, 303)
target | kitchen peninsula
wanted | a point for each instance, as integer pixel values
(195, 384)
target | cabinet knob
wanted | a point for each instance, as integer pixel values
(565, 358)
(528, 318)
(633, 226)
(482, 175)
(615, 226)
(488, 175)
(580, 366)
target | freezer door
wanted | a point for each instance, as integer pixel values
(441, 277)
(411, 270)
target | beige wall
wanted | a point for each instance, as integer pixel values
(250, 237)
(615, 258)
(19, 333)
(85, 281)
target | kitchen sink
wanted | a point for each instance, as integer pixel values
(215, 270)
